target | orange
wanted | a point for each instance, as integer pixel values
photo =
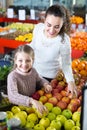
(81, 65)
(83, 72)
(75, 63)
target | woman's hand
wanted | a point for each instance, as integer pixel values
(39, 106)
(47, 88)
(72, 89)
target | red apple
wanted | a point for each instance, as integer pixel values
(75, 101)
(48, 95)
(62, 105)
(54, 83)
(43, 99)
(62, 83)
(60, 76)
(60, 87)
(53, 100)
(41, 92)
(72, 107)
(58, 96)
(66, 99)
(79, 92)
(80, 98)
(36, 96)
(64, 93)
(55, 90)
(79, 109)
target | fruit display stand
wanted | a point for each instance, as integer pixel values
(11, 20)
(77, 54)
(7, 45)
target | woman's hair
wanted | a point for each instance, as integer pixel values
(23, 48)
(62, 12)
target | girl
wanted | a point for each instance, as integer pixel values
(23, 79)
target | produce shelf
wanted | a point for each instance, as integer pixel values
(6, 45)
(77, 54)
(5, 19)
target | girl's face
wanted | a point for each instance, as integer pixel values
(23, 62)
(53, 25)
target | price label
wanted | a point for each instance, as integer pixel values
(22, 14)
(10, 13)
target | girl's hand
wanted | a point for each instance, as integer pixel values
(72, 89)
(39, 106)
(48, 88)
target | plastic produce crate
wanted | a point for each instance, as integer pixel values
(3, 63)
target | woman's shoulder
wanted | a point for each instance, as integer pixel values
(39, 26)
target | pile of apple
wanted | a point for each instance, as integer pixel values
(63, 111)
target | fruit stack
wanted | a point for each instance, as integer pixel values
(63, 111)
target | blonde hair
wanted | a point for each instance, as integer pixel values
(23, 48)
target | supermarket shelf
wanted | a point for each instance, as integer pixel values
(6, 45)
(5, 19)
(77, 54)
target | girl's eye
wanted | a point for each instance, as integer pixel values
(28, 60)
(20, 60)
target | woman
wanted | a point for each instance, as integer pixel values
(52, 47)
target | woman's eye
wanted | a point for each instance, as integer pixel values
(48, 25)
(57, 27)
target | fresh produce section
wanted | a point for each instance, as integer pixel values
(64, 112)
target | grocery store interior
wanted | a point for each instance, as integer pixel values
(17, 21)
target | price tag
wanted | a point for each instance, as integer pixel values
(10, 13)
(32, 14)
(22, 14)
(86, 19)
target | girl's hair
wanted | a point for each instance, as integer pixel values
(23, 48)
(62, 12)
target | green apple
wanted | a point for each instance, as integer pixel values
(43, 99)
(67, 113)
(49, 106)
(56, 124)
(29, 110)
(61, 118)
(15, 109)
(40, 115)
(51, 116)
(78, 123)
(75, 128)
(56, 110)
(69, 124)
(50, 128)
(24, 113)
(21, 117)
(29, 124)
(39, 127)
(76, 116)
(45, 122)
(9, 114)
(33, 117)
(22, 107)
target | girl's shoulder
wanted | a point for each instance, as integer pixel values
(12, 73)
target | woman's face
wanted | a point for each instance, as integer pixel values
(53, 25)
(23, 62)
